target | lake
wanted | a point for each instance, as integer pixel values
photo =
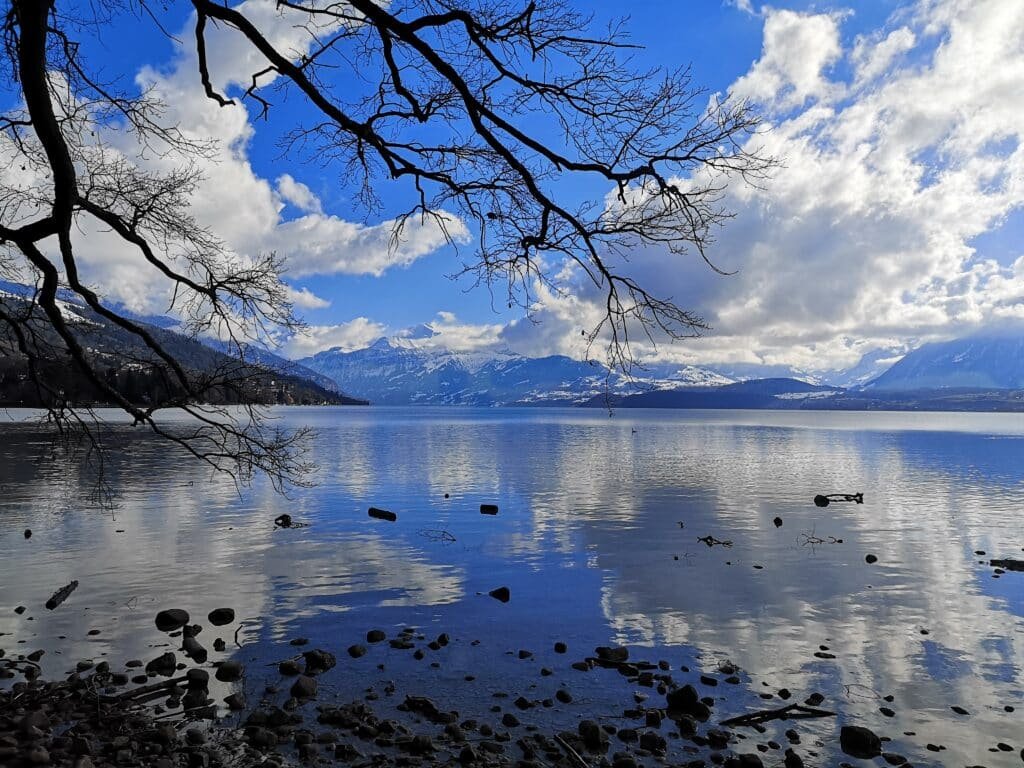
(597, 539)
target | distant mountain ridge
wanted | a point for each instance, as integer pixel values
(402, 371)
(981, 361)
(122, 359)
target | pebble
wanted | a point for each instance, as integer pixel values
(502, 594)
(860, 742)
(221, 616)
(230, 671)
(171, 619)
(304, 687)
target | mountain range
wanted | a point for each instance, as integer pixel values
(403, 370)
(121, 359)
(982, 371)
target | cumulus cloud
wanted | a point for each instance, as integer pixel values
(249, 213)
(863, 238)
(305, 298)
(298, 194)
(355, 334)
(798, 49)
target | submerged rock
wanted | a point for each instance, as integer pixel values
(615, 653)
(858, 741)
(501, 593)
(318, 660)
(304, 687)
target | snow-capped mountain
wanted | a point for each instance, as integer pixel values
(870, 366)
(982, 361)
(408, 369)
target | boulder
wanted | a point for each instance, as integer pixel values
(860, 742)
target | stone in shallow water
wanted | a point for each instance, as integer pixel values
(304, 687)
(501, 593)
(171, 619)
(221, 616)
(230, 671)
(860, 742)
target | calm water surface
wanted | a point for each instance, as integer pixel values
(597, 538)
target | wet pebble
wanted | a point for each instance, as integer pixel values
(221, 616)
(356, 651)
(171, 619)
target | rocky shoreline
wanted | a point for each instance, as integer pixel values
(161, 714)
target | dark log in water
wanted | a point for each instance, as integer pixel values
(61, 595)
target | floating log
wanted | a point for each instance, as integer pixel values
(382, 514)
(488, 509)
(824, 500)
(61, 595)
(1008, 564)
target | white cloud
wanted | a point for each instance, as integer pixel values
(863, 239)
(746, 6)
(872, 56)
(305, 298)
(298, 194)
(243, 209)
(355, 334)
(798, 49)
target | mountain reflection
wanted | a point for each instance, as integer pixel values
(597, 537)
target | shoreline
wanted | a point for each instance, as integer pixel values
(161, 713)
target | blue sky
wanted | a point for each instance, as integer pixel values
(894, 218)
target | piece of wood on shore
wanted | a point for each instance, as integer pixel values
(61, 595)
(789, 712)
(488, 509)
(382, 514)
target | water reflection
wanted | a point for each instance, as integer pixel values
(597, 538)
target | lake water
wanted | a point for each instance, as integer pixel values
(597, 539)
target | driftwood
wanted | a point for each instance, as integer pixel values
(61, 595)
(382, 514)
(577, 758)
(1008, 564)
(789, 712)
(712, 541)
(437, 534)
(823, 500)
(145, 690)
